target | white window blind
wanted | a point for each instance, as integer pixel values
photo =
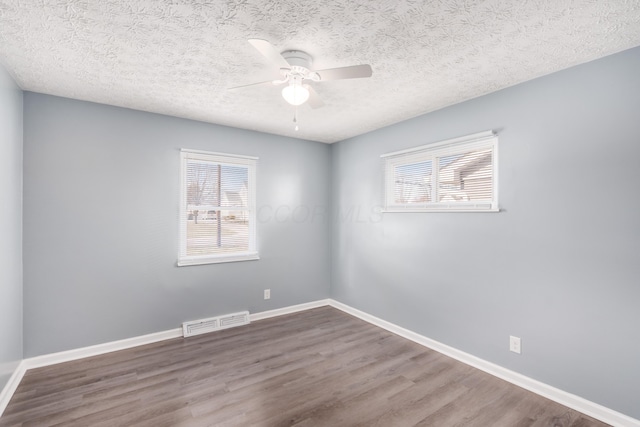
(454, 175)
(217, 208)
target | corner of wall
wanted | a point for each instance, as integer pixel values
(11, 268)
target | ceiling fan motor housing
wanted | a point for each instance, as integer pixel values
(299, 61)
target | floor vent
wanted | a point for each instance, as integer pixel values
(202, 326)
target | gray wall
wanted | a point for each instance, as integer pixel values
(558, 267)
(10, 226)
(101, 194)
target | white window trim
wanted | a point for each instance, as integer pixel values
(223, 158)
(487, 139)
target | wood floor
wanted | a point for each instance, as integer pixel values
(320, 367)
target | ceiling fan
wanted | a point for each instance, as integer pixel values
(295, 69)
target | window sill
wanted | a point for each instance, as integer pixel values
(185, 262)
(392, 210)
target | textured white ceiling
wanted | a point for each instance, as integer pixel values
(179, 57)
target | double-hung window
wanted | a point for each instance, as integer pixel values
(217, 208)
(459, 174)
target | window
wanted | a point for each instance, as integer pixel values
(460, 174)
(217, 208)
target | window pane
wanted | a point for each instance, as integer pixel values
(217, 232)
(413, 183)
(234, 186)
(465, 176)
(202, 183)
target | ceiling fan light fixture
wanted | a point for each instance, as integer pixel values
(295, 69)
(295, 93)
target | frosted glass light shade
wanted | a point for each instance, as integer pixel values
(295, 94)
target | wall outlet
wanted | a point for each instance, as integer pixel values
(267, 294)
(514, 344)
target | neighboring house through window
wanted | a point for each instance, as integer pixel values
(454, 175)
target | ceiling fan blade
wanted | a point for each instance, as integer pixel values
(269, 83)
(270, 52)
(314, 99)
(352, 72)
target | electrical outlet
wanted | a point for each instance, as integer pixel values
(514, 344)
(267, 294)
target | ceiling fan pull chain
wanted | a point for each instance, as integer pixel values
(295, 119)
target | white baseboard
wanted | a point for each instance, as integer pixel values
(95, 350)
(10, 387)
(572, 401)
(288, 310)
(587, 407)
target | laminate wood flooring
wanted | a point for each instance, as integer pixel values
(320, 367)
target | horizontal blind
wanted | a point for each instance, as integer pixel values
(466, 176)
(218, 211)
(412, 183)
(458, 174)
